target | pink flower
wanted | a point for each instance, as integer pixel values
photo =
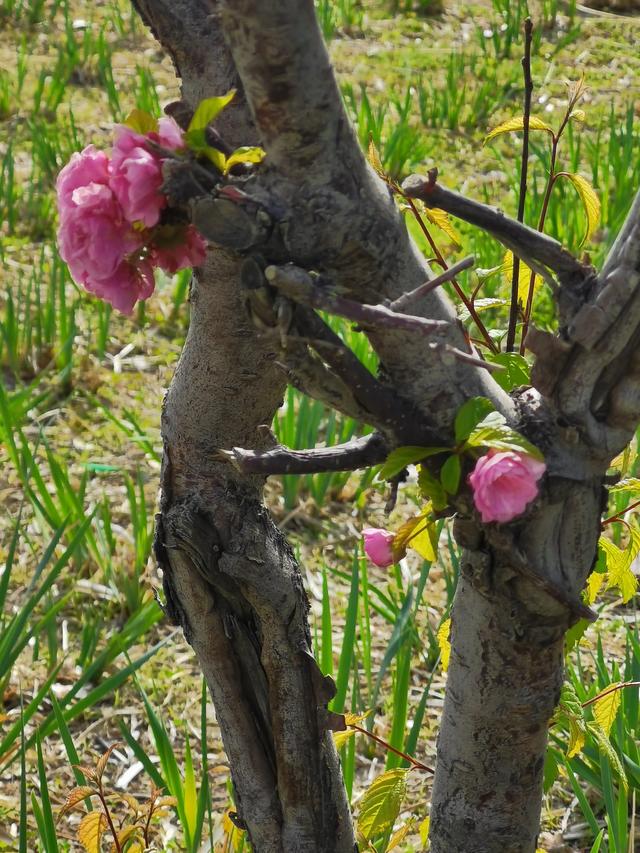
(377, 546)
(130, 282)
(136, 178)
(503, 483)
(93, 236)
(89, 166)
(186, 248)
(169, 133)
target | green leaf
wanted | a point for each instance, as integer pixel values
(551, 769)
(142, 122)
(575, 634)
(425, 541)
(480, 305)
(196, 141)
(605, 746)
(494, 432)
(606, 706)
(380, 803)
(208, 109)
(403, 456)
(516, 369)
(469, 416)
(589, 199)
(246, 154)
(517, 123)
(431, 488)
(450, 474)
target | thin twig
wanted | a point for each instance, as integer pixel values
(413, 761)
(609, 690)
(528, 89)
(618, 515)
(459, 291)
(428, 286)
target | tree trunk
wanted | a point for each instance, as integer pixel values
(230, 577)
(231, 581)
(506, 672)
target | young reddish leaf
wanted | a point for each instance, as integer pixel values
(374, 158)
(134, 805)
(517, 123)
(90, 831)
(444, 643)
(589, 199)
(606, 706)
(102, 761)
(76, 796)
(380, 803)
(128, 833)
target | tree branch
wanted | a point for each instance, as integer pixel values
(536, 249)
(358, 453)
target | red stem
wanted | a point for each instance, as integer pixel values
(610, 690)
(413, 761)
(617, 516)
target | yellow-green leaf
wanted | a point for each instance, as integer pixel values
(245, 154)
(141, 121)
(629, 484)
(578, 115)
(444, 643)
(399, 835)
(380, 804)
(90, 831)
(517, 123)
(341, 738)
(606, 706)
(493, 431)
(594, 585)
(425, 542)
(128, 833)
(208, 109)
(577, 736)
(589, 199)
(618, 561)
(441, 220)
(217, 157)
(524, 277)
(424, 831)
(606, 747)
(190, 792)
(356, 719)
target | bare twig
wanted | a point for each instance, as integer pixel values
(449, 274)
(528, 89)
(358, 453)
(298, 285)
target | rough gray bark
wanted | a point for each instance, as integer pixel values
(230, 578)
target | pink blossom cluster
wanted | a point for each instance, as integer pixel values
(110, 233)
(504, 483)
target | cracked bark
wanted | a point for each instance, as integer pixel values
(230, 578)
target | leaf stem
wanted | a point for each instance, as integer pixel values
(440, 259)
(116, 842)
(618, 515)
(528, 90)
(413, 761)
(609, 691)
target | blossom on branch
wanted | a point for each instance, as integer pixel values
(504, 483)
(377, 546)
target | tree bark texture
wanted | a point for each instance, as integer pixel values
(230, 577)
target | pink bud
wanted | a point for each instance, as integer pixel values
(503, 483)
(377, 546)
